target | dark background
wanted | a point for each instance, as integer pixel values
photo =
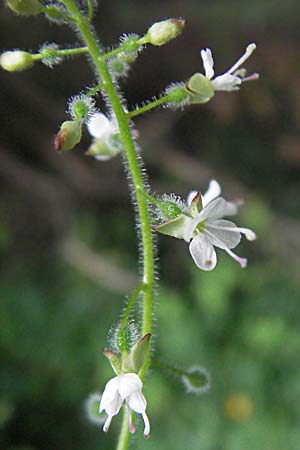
(68, 245)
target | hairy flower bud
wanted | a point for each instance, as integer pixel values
(81, 107)
(196, 380)
(16, 60)
(25, 7)
(68, 136)
(162, 32)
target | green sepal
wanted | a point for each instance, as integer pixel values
(114, 359)
(140, 352)
(26, 7)
(127, 366)
(175, 227)
(196, 205)
(200, 88)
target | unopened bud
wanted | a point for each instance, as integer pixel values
(81, 107)
(130, 44)
(68, 136)
(162, 32)
(170, 206)
(118, 66)
(196, 380)
(91, 406)
(16, 60)
(25, 7)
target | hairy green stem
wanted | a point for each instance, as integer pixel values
(136, 178)
(57, 53)
(149, 106)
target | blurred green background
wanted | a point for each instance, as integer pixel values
(69, 252)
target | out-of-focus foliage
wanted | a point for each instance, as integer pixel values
(68, 244)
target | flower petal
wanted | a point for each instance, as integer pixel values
(99, 125)
(214, 210)
(226, 82)
(137, 402)
(213, 191)
(109, 394)
(223, 233)
(213, 238)
(208, 62)
(128, 384)
(203, 253)
(249, 50)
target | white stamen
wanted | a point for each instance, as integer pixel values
(249, 50)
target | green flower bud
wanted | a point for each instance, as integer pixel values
(196, 380)
(118, 66)
(81, 107)
(25, 7)
(162, 32)
(16, 60)
(68, 136)
(130, 44)
(91, 406)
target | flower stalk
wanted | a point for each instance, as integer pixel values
(136, 179)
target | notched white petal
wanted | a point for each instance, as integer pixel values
(208, 62)
(223, 233)
(203, 253)
(213, 191)
(226, 82)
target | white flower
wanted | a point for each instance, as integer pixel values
(124, 387)
(206, 229)
(104, 132)
(233, 78)
(100, 127)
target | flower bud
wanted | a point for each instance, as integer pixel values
(16, 60)
(162, 32)
(81, 107)
(130, 43)
(25, 7)
(118, 67)
(196, 380)
(68, 136)
(91, 406)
